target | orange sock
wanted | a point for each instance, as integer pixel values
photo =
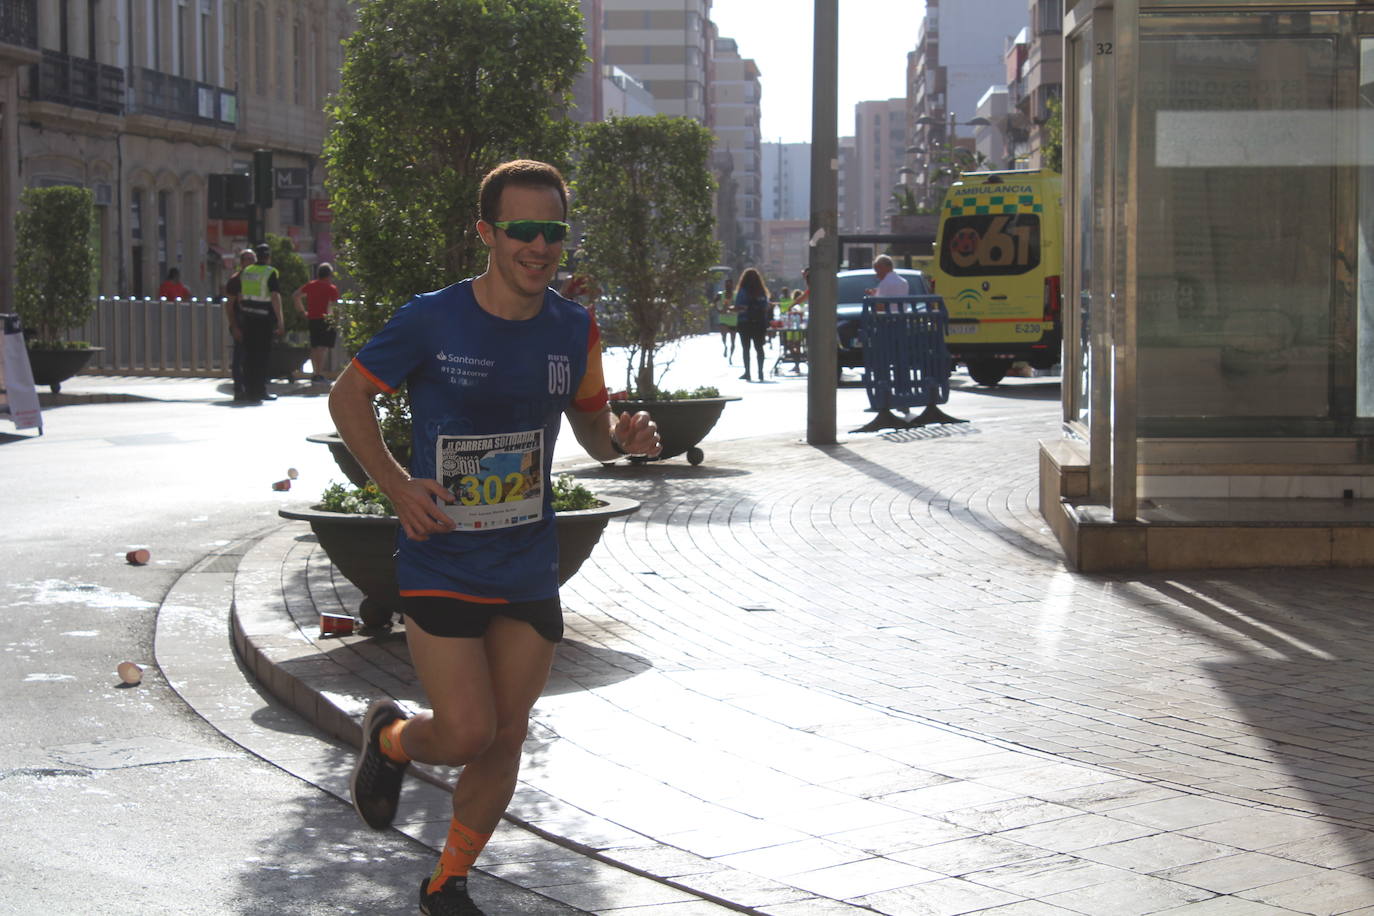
(390, 741)
(462, 849)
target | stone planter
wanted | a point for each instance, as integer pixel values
(363, 548)
(53, 367)
(284, 360)
(681, 424)
(342, 457)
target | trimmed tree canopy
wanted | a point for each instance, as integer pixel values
(435, 93)
(643, 194)
(56, 261)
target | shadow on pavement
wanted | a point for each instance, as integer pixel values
(1025, 391)
(1292, 655)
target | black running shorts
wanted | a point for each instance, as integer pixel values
(322, 333)
(456, 618)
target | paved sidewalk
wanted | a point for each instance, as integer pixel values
(858, 678)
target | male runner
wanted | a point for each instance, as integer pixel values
(491, 365)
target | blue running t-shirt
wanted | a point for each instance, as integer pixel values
(487, 395)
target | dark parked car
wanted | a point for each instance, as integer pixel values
(849, 307)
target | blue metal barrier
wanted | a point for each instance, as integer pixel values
(906, 363)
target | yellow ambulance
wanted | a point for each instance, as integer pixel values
(998, 254)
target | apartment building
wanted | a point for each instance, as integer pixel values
(786, 181)
(846, 180)
(665, 44)
(734, 100)
(959, 53)
(144, 101)
(879, 148)
(1041, 76)
(785, 251)
(590, 88)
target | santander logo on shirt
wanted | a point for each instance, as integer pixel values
(463, 370)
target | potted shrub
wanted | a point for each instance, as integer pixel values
(643, 196)
(290, 350)
(55, 272)
(356, 527)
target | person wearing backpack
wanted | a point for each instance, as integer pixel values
(754, 311)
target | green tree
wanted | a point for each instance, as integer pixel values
(1052, 153)
(433, 94)
(291, 274)
(644, 191)
(56, 262)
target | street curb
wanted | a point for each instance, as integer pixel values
(320, 679)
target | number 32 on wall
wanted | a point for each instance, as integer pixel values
(1104, 47)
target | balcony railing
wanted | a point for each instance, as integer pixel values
(169, 96)
(78, 82)
(19, 23)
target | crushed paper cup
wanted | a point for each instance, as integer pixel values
(130, 673)
(138, 557)
(282, 484)
(335, 625)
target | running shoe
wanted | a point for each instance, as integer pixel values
(450, 900)
(376, 783)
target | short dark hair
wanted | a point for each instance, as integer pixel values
(527, 173)
(324, 271)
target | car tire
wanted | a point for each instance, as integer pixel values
(988, 371)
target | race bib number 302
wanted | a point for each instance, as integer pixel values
(498, 480)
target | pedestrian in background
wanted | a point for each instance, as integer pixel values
(729, 322)
(172, 287)
(754, 311)
(319, 294)
(260, 319)
(233, 292)
(890, 283)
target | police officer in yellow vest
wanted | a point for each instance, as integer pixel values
(260, 319)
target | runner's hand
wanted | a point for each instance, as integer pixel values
(415, 508)
(637, 434)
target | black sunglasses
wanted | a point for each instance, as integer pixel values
(527, 230)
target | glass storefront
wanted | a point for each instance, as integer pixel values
(1239, 167)
(1219, 340)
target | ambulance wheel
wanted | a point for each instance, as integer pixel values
(988, 371)
(695, 456)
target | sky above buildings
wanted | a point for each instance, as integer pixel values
(875, 36)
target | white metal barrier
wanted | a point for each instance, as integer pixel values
(161, 337)
(158, 337)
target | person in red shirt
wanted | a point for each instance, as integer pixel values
(172, 287)
(318, 294)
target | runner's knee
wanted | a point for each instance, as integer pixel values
(460, 739)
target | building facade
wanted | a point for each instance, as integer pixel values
(1040, 81)
(666, 45)
(785, 251)
(786, 181)
(1218, 385)
(879, 150)
(959, 54)
(144, 101)
(735, 94)
(846, 213)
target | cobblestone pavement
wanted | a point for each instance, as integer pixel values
(859, 678)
